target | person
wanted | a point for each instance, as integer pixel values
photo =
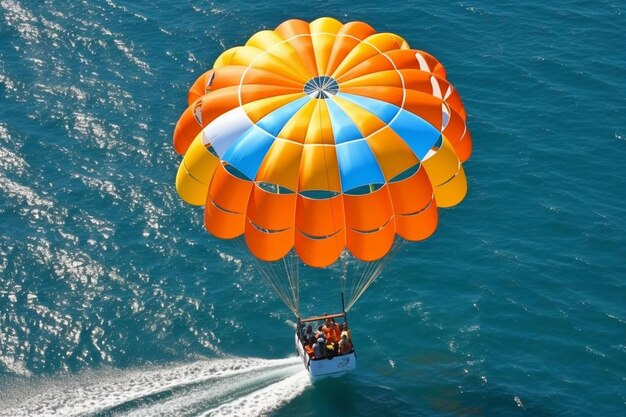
(319, 349)
(345, 330)
(345, 345)
(331, 330)
(307, 334)
(319, 333)
(308, 347)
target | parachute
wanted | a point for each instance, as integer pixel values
(323, 144)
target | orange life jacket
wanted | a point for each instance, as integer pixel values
(332, 332)
(327, 332)
(335, 333)
(309, 350)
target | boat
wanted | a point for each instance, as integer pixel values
(333, 365)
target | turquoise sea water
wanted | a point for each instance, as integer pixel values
(114, 301)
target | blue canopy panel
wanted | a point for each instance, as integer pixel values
(274, 121)
(247, 153)
(418, 134)
(357, 165)
(383, 110)
(344, 129)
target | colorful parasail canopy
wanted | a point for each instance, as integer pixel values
(320, 137)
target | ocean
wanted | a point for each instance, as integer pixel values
(114, 301)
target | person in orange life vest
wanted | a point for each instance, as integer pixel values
(323, 328)
(345, 345)
(332, 331)
(309, 348)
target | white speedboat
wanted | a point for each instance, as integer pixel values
(334, 365)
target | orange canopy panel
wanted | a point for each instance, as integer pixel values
(238, 74)
(391, 94)
(200, 87)
(420, 225)
(464, 147)
(409, 59)
(452, 97)
(372, 65)
(319, 252)
(372, 245)
(390, 78)
(412, 194)
(347, 39)
(221, 223)
(271, 210)
(368, 211)
(455, 129)
(319, 217)
(188, 126)
(268, 245)
(229, 192)
(292, 30)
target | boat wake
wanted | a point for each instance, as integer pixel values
(218, 387)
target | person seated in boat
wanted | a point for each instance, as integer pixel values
(319, 348)
(319, 333)
(345, 345)
(345, 330)
(331, 330)
(332, 334)
(307, 333)
(308, 347)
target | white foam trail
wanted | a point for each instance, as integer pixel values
(215, 385)
(265, 400)
(252, 394)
